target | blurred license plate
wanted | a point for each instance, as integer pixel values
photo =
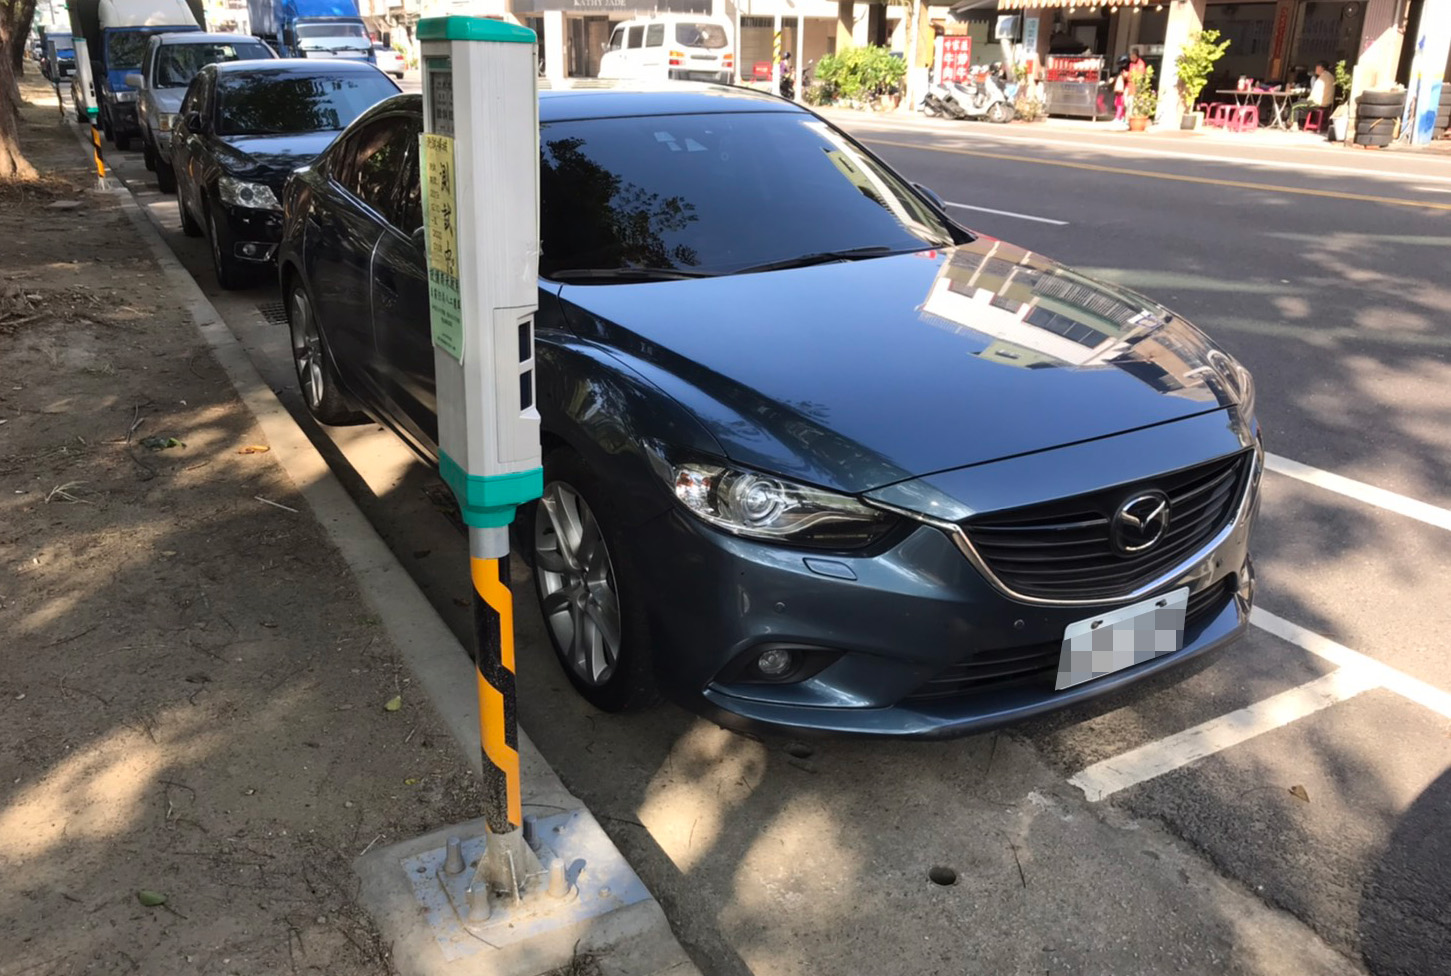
(1122, 638)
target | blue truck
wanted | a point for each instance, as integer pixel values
(312, 28)
(110, 40)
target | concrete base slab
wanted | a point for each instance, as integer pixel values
(612, 917)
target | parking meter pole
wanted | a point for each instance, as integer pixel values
(479, 170)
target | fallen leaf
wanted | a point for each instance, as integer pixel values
(161, 443)
(1298, 792)
(151, 899)
(393, 704)
(254, 449)
(410, 781)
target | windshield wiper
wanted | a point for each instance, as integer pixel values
(828, 257)
(603, 275)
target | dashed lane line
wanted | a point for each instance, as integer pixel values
(1172, 177)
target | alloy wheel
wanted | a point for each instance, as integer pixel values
(577, 588)
(307, 349)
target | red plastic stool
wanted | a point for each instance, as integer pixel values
(1219, 113)
(1246, 118)
(1314, 120)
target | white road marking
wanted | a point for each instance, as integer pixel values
(1360, 491)
(1009, 213)
(1383, 675)
(1103, 779)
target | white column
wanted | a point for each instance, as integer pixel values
(776, 52)
(554, 64)
(799, 58)
(1185, 17)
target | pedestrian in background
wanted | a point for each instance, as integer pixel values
(1121, 92)
(1322, 94)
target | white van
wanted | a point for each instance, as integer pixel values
(679, 47)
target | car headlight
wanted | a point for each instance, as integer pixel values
(761, 506)
(165, 120)
(240, 193)
(125, 96)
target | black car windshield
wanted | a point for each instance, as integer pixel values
(275, 102)
(700, 35)
(331, 30)
(717, 194)
(127, 48)
(177, 64)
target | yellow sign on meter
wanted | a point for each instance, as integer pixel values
(440, 203)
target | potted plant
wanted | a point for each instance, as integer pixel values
(1193, 67)
(1145, 100)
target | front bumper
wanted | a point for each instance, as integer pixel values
(124, 120)
(250, 235)
(713, 76)
(896, 623)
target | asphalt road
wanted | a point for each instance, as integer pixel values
(1312, 834)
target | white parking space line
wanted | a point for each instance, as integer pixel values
(1009, 213)
(1360, 491)
(1418, 691)
(1103, 779)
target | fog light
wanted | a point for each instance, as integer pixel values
(776, 661)
(250, 250)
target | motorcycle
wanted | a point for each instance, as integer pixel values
(986, 99)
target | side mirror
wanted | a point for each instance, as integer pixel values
(931, 194)
(133, 79)
(420, 238)
(193, 121)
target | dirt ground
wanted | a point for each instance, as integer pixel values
(193, 693)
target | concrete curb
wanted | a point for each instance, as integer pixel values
(637, 943)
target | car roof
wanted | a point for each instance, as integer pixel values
(202, 37)
(606, 101)
(293, 66)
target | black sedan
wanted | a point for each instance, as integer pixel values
(815, 456)
(243, 127)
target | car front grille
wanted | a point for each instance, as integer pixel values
(1037, 664)
(1061, 550)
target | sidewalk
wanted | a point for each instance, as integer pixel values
(207, 721)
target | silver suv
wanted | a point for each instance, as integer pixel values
(171, 61)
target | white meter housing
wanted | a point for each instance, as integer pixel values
(480, 174)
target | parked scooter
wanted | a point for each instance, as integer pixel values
(985, 99)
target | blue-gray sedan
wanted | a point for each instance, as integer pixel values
(816, 457)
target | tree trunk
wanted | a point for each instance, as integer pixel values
(21, 30)
(13, 165)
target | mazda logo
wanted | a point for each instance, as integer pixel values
(1140, 522)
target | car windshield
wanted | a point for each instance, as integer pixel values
(177, 64)
(271, 102)
(717, 194)
(700, 35)
(127, 49)
(331, 30)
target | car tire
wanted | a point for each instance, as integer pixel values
(317, 378)
(148, 155)
(1374, 111)
(589, 591)
(398, 75)
(166, 180)
(230, 275)
(1374, 127)
(189, 225)
(1397, 99)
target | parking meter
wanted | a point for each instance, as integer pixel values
(479, 168)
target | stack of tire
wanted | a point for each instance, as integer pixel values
(1376, 116)
(1443, 112)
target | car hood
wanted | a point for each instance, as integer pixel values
(271, 158)
(855, 375)
(167, 99)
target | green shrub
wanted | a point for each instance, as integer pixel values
(1146, 96)
(860, 73)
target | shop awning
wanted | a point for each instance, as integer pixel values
(1054, 4)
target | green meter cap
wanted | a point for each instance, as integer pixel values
(472, 29)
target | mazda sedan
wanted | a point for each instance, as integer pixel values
(815, 456)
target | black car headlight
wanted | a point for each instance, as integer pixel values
(1237, 381)
(240, 193)
(762, 506)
